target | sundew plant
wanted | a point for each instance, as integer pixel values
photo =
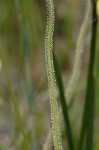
(49, 75)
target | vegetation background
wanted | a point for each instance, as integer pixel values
(22, 37)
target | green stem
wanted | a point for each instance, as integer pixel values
(88, 115)
(63, 103)
(90, 127)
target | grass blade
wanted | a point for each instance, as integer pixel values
(90, 124)
(88, 115)
(90, 127)
(63, 103)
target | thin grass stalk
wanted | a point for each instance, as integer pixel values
(90, 125)
(88, 115)
(63, 103)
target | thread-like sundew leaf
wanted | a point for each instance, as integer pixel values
(80, 42)
(51, 75)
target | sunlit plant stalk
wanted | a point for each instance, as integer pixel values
(97, 7)
(51, 75)
(78, 56)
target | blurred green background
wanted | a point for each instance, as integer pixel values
(22, 37)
